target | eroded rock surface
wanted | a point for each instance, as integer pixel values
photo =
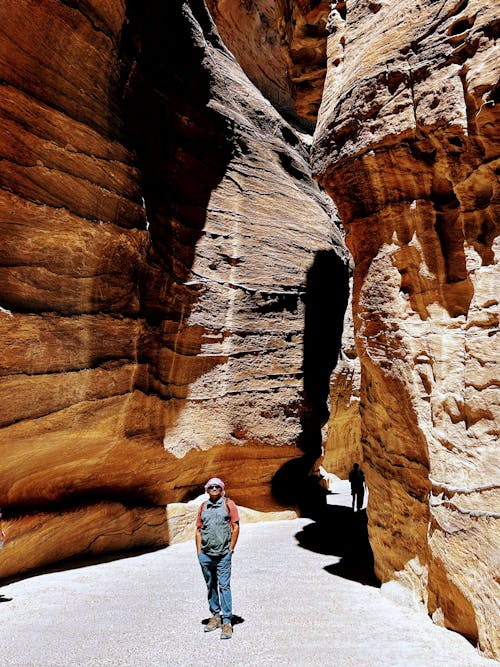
(173, 283)
(342, 442)
(281, 46)
(159, 230)
(407, 146)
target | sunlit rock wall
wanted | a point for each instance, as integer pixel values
(342, 445)
(407, 145)
(281, 46)
(163, 254)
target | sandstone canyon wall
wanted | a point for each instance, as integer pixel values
(281, 45)
(163, 248)
(174, 283)
(407, 145)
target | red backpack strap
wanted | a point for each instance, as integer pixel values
(226, 505)
(201, 510)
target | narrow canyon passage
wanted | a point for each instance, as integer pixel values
(291, 609)
(236, 237)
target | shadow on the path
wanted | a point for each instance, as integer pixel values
(235, 620)
(338, 531)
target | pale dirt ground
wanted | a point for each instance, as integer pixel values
(147, 610)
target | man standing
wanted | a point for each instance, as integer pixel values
(217, 530)
(357, 480)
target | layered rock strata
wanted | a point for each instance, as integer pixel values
(163, 245)
(281, 46)
(173, 284)
(407, 145)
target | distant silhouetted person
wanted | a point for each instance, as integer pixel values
(357, 480)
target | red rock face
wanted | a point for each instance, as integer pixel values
(281, 46)
(73, 237)
(173, 283)
(164, 248)
(406, 144)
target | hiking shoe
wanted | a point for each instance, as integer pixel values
(227, 631)
(213, 624)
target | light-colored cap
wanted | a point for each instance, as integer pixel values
(214, 480)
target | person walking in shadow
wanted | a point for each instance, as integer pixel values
(217, 530)
(357, 481)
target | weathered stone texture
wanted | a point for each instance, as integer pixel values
(281, 46)
(342, 446)
(173, 284)
(43, 538)
(158, 225)
(407, 145)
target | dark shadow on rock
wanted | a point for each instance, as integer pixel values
(183, 142)
(294, 485)
(178, 127)
(326, 298)
(339, 531)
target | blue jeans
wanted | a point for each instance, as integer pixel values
(217, 573)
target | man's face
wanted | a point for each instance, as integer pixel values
(214, 491)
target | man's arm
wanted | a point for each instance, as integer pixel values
(234, 535)
(197, 535)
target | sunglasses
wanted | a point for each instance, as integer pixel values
(214, 486)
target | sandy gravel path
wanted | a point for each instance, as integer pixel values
(147, 610)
